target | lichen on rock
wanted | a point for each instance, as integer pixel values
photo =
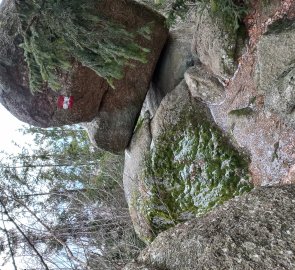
(179, 166)
(190, 174)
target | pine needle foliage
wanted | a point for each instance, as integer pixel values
(230, 11)
(56, 32)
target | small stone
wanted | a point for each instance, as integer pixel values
(204, 85)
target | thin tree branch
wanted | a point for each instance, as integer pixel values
(68, 250)
(9, 242)
(24, 235)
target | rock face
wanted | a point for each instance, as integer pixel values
(176, 57)
(145, 136)
(161, 196)
(255, 231)
(179, 165)
(114, 112)
(135, 155)
(275, 69)
(215, 44)
(133, 176)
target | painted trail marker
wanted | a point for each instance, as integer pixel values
(64, 102)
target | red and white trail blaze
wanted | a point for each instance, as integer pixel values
(64, 102)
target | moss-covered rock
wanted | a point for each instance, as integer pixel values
(190, 169)
(179, 166)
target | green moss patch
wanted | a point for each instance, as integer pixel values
(190, 170)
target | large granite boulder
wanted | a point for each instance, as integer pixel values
(136, 191)
(178, 164)
(114, 110)
(254, 231)
(275, 69)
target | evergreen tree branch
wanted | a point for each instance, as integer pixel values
(55, 32)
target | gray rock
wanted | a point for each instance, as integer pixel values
(133, 176)
(255, 231)
(175, 59)
(136, 266)
(215, 44)
(152, 101)
(145, 135)
(204, 86)
(275, 69)
(171, 109)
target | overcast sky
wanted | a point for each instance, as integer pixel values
(9, 126)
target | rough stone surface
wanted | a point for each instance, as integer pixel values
(146, 134)
(114, 111)
(152, 101)
(204, 85)
(215, 44)
(176, 57)
(275, 68)
(171, 109)
(254, 231)
(136, 266)
(264, 134)
(133, 176)
(269, 140)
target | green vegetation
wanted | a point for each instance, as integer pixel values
(191, 174)
(242, 112)
(231, 11)
(57, 32)
(275, 152)
(69, 202)
(246, 111)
